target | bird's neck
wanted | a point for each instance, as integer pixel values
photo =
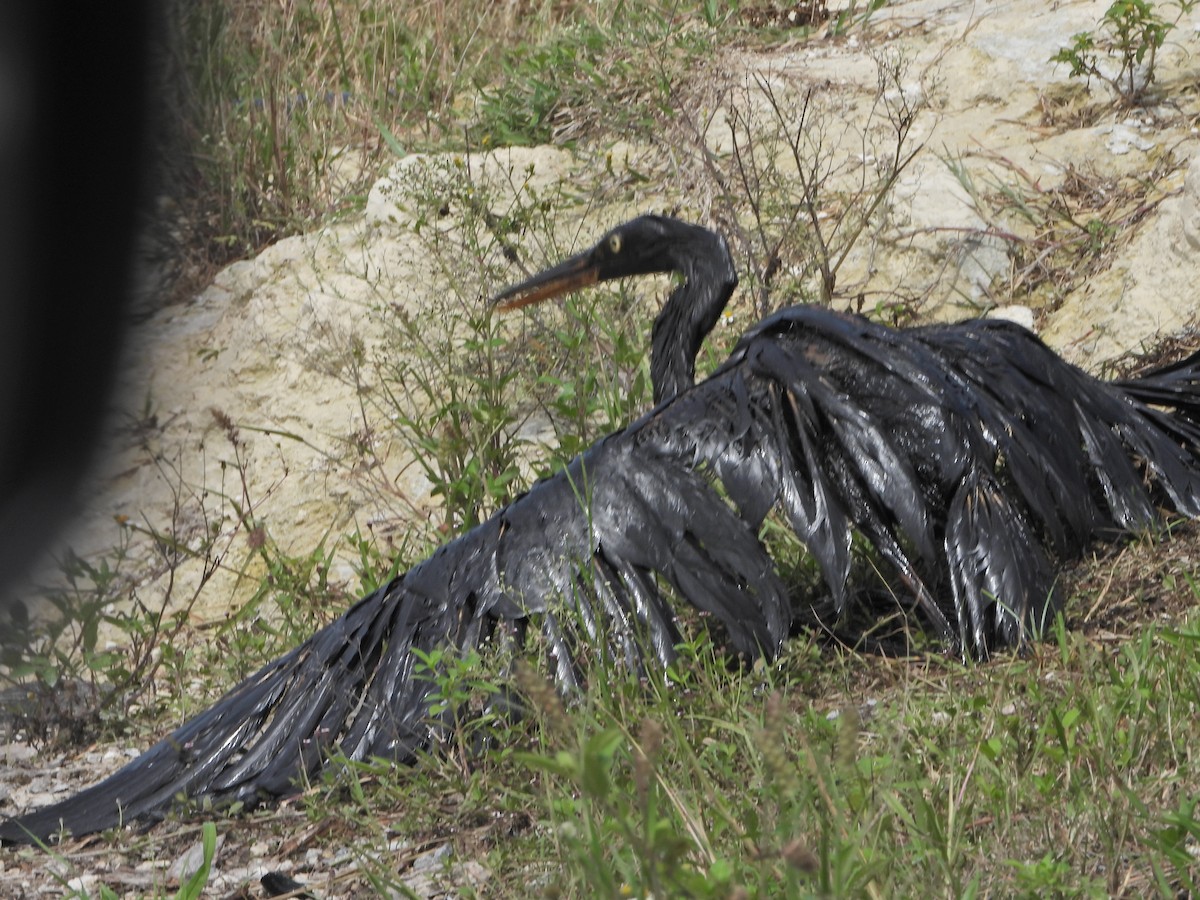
(689, 314)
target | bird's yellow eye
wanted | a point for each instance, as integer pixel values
(614, 243)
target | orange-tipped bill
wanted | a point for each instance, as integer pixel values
(571, 275)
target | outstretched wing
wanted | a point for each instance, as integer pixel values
(597, 540)
(956, 451)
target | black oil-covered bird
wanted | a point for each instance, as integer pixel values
(966, 455)
(961, 452)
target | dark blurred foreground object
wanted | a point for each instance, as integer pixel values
(963, 455)
(75, 115)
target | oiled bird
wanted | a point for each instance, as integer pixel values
(968, 456)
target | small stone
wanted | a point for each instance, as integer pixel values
(431, 859)
(190, 861)
(82, 884)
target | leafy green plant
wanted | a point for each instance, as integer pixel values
(653, 791)
(1175, 838)
(1131, 32)
(64, 657)
(605, 382)
(476, 396)
(521, 107)
(192, 884)
(464, 687)
(452, 390)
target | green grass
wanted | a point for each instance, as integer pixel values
(283, 115)
(1066, 773)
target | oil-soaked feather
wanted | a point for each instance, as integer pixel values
(956, 451)
(999, 573)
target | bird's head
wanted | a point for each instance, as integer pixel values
(642, 246)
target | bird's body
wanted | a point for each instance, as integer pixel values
(968, 456)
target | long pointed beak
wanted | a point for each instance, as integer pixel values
(569, 275)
